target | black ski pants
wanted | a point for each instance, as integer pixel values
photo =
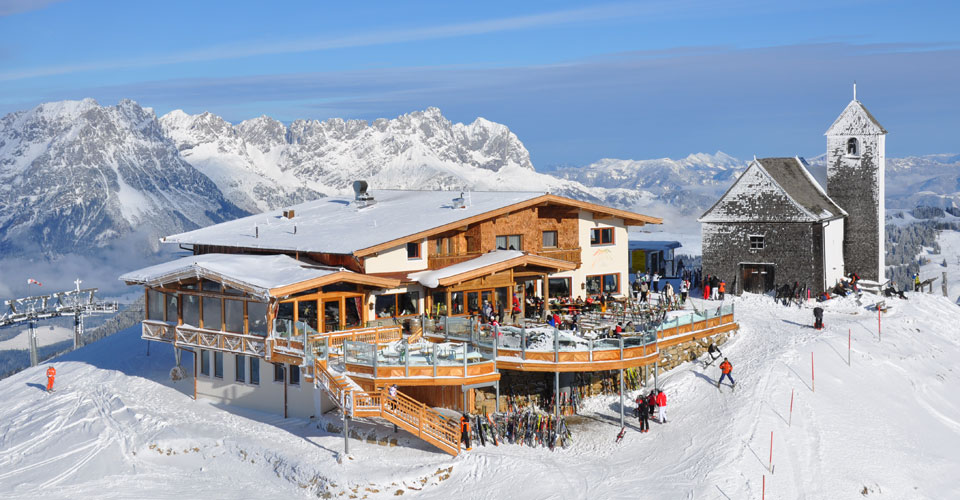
(644, 423)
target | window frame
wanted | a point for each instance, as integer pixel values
(417, 255)
(757, 242)
(204, 362)
(254, 369)
(569, 287)
(240, 368)
(294, 369)
(507, 237)
(856, 146)
(218, 364)
(600, 231)
(556, 239)
(602, 276)
(278, 369)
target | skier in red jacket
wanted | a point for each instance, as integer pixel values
(725, 369)
(662, 407)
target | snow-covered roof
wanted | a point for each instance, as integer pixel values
(855, 119)
(640, 244)
(774, 190)
(336, 225)
(258, 274)
(487, 263)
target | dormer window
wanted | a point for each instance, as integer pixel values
(853, 147)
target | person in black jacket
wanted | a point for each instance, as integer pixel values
(643, 411)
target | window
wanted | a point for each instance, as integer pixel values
(558, 287)
(294, 375)
(397, 304)
(241, 368)
(204, 362)
(456, 303)
(218, 364)
(257, 318)
(601, 236)
(191, 310)
(853, 146)
(439, 300)
(233, 314)
(413, 250)
(756, 242)
(603, 283)
(254, 370)
(154, 305)
(171, 307)
(509, 242)
(549, 239)
(211, 313)
(277, 372)
(445, 246)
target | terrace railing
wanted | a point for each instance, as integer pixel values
(158, 330)
(238, 343)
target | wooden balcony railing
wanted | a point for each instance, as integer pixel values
(238, 343)
(373, 335)
(158, 330)
(567, 254)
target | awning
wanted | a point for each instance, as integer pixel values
(489, 263)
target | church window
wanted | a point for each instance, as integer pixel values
(853, 147)
(756, 242)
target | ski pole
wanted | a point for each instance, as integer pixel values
(790, 422)
(813, 379)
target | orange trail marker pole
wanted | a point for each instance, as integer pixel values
(790, 422)
(763, 492)
(770, 466)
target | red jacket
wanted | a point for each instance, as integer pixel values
(51, 371)
(726, 367)
(662, 399)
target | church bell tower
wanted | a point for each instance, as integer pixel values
(856, 160)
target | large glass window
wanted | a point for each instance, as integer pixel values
(307, 312)
(456, 303)
(254, 370)
(218, 364)
(257, 318)
(558, 287)
(397, 304)
(351, 312)
(241, 368)
(606, 283)
(601, 236)
(386, 306)
(331, 315)
(204, 362)
(191, 310)
(233, 316)
(171, 307)
(549, 239)
(509, 242)
(211, 313)
(473, 304)
(439, 300)
(154, 305)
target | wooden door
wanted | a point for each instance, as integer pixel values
(757, 278)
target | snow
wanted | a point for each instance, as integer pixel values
(890, 422)
(431, 279)
(322, 224)
(46, 335)
(260, 272)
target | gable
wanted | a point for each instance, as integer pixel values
(856, 120)
(756, 197)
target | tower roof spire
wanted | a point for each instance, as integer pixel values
(854, 90)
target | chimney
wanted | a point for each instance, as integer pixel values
(361, 196)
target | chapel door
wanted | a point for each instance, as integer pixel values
(757, 278)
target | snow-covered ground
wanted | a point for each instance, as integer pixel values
(949, 243)
(116, 427)
(19, 338)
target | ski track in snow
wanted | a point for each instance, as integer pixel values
(117, 427)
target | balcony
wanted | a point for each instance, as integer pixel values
(237, 343)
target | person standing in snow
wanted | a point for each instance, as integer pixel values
(684, 289)
(723, 288)
(644, 291)
(726, 368)
(916, 282)
(643, 412)
(706, 288)
(51, 374)
(714, 287)
(662, 406)
(656, 282)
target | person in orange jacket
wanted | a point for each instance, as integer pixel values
(51, 374)
(723, 289)
(726, 368)
(662, 407)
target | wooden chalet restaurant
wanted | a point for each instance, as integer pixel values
(327, 304)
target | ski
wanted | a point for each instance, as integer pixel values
(623, 430)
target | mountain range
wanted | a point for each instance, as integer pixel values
(75, 176)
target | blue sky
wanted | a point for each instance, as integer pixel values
(576, 81)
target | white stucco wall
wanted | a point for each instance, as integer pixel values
(601, 259)
(832, 252)
(395, 259)
(267, 396)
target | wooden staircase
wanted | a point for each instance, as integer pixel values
(401, 410)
